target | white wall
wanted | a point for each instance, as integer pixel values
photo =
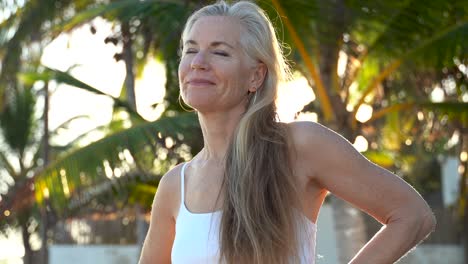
(435, 254)
(326, 250)
(86, 254)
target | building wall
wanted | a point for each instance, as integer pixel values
(91, 254)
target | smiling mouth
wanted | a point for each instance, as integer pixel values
(200, 82)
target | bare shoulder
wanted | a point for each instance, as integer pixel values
(171, 179)
(161, 233)
(321, 151)
(169, 190)
(307, 134)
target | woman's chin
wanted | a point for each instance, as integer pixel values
(201, 105)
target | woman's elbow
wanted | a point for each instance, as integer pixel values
(428, 223)
(422, 222)
(419, 221)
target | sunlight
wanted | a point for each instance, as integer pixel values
(437, 95)
(108, 170)
(45, 192)
(465, 98)
(63, 177)
(292, 97)
(307, 116)
(11, 245)
(353, 90)
(93, 58)
(361, 144)
(463, 156)
(10, 8)
(364, 113)
(95, 65)
(149, 90)
(342, 61)
(117, 172)
(461, 169)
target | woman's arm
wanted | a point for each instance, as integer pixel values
(333, 163)
(160, 237)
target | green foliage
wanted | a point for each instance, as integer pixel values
(142, 194)
(22, 27)
(65, 78)
(75, 178)
(17, 120)
(381, 158)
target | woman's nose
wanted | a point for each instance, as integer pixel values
(199, 61)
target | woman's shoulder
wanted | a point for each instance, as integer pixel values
(307, 132)
(169, 187)
(314, 139)
(171, 179)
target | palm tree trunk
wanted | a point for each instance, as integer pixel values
(329, 54)
(45, 142)
(463, 200)
(350, 229)
(27, 259)
(44, 213)
(128, 58)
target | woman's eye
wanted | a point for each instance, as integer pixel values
(190, 51)
(221, 53)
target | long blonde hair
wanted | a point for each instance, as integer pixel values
(258, 223)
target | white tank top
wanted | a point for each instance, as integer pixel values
(196, 236)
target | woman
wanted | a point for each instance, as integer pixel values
(253, 193)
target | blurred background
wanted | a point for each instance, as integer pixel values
(90, 116)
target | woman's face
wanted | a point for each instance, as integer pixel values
(214, 72)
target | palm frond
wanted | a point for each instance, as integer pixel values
(428, 32)
(17, 120)
(27, 29)
(454, 110)
(65, 78)
(66, 123)
(124, 10)
(5, 163)
(449, 40)
(142, 193)
(138, 149)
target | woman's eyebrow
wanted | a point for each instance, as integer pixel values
(212, 44)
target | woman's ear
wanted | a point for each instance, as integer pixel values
(258, 77)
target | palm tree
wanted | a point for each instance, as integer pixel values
(173, 134)
(17, 126)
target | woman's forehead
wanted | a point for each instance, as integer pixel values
(209, 29)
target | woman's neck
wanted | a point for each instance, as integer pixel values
(218, 129)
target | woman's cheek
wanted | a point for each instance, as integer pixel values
(181, 71)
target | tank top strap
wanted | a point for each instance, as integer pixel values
(182, 184)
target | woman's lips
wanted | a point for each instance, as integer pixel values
(200, 82)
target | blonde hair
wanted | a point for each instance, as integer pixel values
(258, 223)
